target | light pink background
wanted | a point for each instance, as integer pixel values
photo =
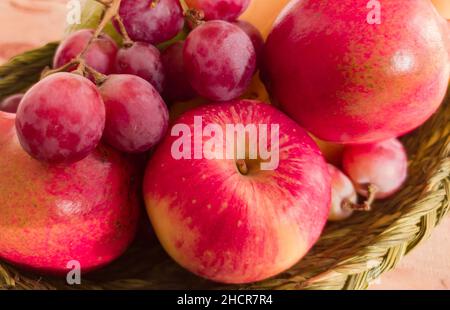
(25, 24)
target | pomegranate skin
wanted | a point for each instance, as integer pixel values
(349, 81)
(52, 214)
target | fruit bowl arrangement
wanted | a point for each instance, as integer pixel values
(94, 134)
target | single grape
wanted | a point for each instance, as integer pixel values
(100, 55)
(228, 10)
(152, 21)
(220, 60)
(343, 194)
(61, 118)
(177, 87)
(383, 165)
(144, 60)
(255, 36)
(11, 103)
(136, 116)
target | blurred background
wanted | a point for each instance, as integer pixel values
(26, 24)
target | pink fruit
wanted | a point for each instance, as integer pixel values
(53, 214)
(255, 36)
(100, 56)
(144, 60)
(383, 165)
(343, 195)
(11, 103)
(136, 116)
(229, 220)
(228, 10)
(348, 80)
(152, 21)
(177, 85)
(61, 118)
(220, 60)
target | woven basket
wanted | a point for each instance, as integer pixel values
(349, 255)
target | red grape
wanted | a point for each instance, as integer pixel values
(144, 60)
(100, 55)
(342, 192)
(220, 60)
(152, 21)
(383, 165)
(136, 116)
(61, 118)
(177, 85)
(255, 36)
(11, 103)
(228, 10)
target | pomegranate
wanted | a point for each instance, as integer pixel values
(350, 73)
(53, 214)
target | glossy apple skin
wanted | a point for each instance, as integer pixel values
(86, 211)
(235, 228)
(348, 81)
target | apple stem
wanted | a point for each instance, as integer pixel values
(242, 166)
(366, 205)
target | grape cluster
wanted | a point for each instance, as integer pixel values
(100, 91)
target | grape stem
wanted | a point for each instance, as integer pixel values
(184, 5)
(99, 78)
(127, 42)
(47, 71)
(193, 16)
(366, 205)
(110, 12)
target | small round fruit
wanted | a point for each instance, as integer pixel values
(228, 10)
(61, 118)
(100, 55)
(383, 165)
(11, 103)
(343, 193)
(220, 60)
(144, 60)
(136, 115)
(255, 36)
(152, 21)
(177, 87)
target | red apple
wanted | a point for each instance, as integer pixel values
(347, 78)
(229, 220)
(52, 214)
